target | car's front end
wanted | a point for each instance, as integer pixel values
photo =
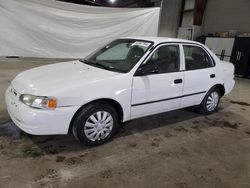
(34, 117)
(44, 100)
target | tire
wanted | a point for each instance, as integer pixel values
(95, 124)
(210, 102)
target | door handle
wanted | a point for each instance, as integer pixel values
(239, 56)
(178, 81)
(212, 76)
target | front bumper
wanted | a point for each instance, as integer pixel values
(38, 121)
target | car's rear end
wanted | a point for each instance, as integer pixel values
(227, 75)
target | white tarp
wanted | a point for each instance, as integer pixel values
(48, 28)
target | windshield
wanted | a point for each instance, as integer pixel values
(120, 55)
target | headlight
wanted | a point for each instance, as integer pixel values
(39, 102)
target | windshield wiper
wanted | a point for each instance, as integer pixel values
(102, 66)
(96, 64)
(86, 61)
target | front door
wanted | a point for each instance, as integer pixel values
(159, 91)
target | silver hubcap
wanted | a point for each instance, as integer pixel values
(98, 126)
(212, 101)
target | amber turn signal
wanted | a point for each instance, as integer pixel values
(52, 103)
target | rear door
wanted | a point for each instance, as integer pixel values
(200, 74)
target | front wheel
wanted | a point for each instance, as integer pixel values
(95, 124)
(211, 101)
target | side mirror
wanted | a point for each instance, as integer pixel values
(145, 70)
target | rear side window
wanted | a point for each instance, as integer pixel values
(196, 58)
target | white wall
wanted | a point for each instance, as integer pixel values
(224, 15)
(48, 28)
(189, 5)
(170, 17)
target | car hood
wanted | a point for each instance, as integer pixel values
(46, 79)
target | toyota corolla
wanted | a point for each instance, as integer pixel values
(126, 79)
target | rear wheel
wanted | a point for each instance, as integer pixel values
(95, 124)
(211, 101)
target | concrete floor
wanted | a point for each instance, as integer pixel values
(179, 149)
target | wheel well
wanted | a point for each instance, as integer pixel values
(221, 88)
(112, 102)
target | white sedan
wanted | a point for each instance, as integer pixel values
(126, 79)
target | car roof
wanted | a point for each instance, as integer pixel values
(158, 40)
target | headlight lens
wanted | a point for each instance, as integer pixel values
(39, 102)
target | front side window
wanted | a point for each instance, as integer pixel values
(196, 58)
(165, 59)
(120, 55)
